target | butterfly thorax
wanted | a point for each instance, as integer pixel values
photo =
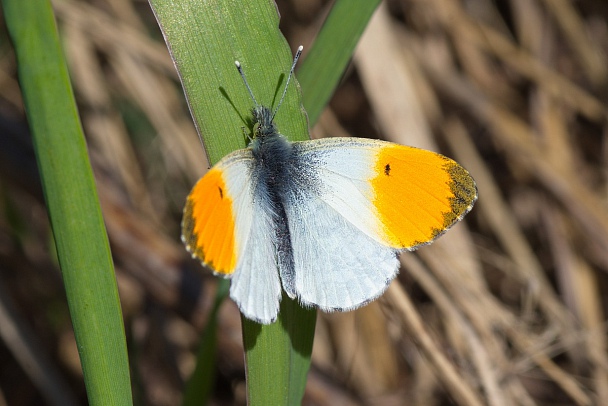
(271, 150)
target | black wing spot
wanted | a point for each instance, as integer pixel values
(221, 192)
(387, 169)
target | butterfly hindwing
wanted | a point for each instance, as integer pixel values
(336, 267)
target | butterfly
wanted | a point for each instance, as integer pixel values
(322, 220)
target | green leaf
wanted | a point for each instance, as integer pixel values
(327, 59)
(200, 384)
(288, 340)
(69, 189)
(205, 38)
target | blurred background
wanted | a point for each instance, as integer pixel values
(508, 308)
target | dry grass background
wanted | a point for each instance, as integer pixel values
(508, 308)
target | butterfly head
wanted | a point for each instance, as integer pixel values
(263, 119)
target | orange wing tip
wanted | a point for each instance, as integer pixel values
(208, 225)
(464, 193)
(419, 195)
(190, 238)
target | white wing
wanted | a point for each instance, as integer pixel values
(353, 204)
(338, 264)
(224, 199)
(337, 267)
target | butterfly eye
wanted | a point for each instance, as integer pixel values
(256, 130)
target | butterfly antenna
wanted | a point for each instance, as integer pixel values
(293, 66)
(240, 69)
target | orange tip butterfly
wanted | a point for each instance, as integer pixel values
(322, 220)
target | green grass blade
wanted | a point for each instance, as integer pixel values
(71, 198)
(205, 38)
(283, 383)
(320, 73)
(200, 384)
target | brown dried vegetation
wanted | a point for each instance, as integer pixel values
(507, 308)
